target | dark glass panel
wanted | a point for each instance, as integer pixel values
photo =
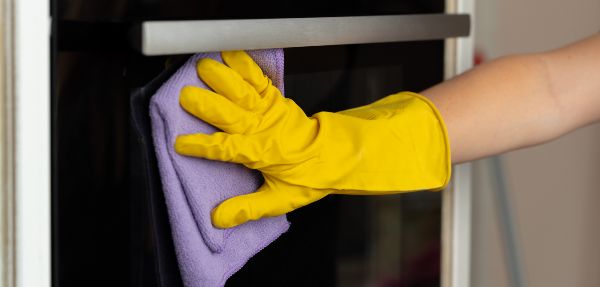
(103, 234)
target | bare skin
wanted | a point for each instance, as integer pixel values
(519, 101)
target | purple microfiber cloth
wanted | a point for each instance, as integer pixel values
(207, 256)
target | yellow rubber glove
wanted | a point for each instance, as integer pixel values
(394, 145)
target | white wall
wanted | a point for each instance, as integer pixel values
(555, 188)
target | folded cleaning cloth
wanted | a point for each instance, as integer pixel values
(207, 256)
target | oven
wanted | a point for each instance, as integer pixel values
(102, 206)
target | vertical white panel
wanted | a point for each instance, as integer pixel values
(4, 197)
(458, 198)
(462, 205)
(32, 144)
(461, 236)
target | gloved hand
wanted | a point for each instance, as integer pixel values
(394, 145)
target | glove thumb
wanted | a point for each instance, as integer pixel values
(273, 198)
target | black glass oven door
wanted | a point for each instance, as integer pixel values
(103, 226)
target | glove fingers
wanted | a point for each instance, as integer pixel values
(219, 146)
(243, 64)
(268, 201)
(228, 83)
(216, 110)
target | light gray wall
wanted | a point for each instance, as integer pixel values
(555, 188)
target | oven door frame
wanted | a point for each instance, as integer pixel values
(25, 149)
(25, 204)
(457, 198)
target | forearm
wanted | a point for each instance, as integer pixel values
(518, 101)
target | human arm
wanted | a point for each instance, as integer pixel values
(519, 101)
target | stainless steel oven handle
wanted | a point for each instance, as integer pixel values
(181, 37)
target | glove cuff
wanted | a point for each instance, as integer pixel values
(444, 131)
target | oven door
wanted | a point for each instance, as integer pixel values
(105, 220)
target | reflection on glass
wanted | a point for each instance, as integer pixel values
(400, 243)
